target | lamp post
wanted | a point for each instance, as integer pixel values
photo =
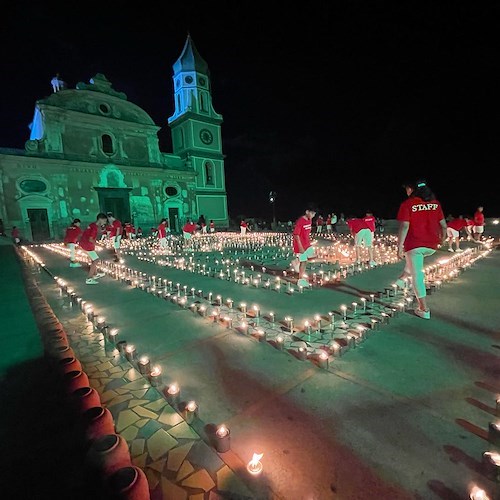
(272, 201)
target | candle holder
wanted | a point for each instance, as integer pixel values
(113, 335)
(130, 352)
(491, 465)
(261, 335)
(255, 466)
(155, 376)
(144, 365)
(222, 439)
(323, 360)
(173, 394)
(190, 412)
(494, 433)
(121, 345)
(280, 343)
(302, 353)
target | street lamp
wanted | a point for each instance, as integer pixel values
(272, 201)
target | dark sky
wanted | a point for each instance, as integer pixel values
(332, 102)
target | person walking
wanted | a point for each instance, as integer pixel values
(87, 243)
(71, 237)
(478, 228)
(302, 247)
(188, 230)
(16, 235)
(115, 231)
(162, 233)
(243, 227)
(319, 224)
(362, 230)
(422, 228)
(455, 225)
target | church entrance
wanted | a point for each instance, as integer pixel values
(173, 218)
(39, 223)
(115, 200)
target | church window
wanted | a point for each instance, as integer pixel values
(171, 191)
(104, 109)
(203, 104)
(33, 186)
(107, 144)
(209, 177)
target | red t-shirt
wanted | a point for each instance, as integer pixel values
(424, 218)
(319, 221)
(72, 234)
(243, 224)
(457, 224)
(370, 222)
(189, 227)
(129, 229)
(355, 225)
(90, 232)
(479, 218)
(114, 228)
(303, 230)
(328, 221)
(162, 231)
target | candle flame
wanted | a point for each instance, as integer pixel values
(173, 388)
(222, 431)
(191, 406)
(156, 371)
(477, 493)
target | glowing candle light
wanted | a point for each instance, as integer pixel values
(363, 300)
(190, 411)
(255, 465)
(173, 393)
(343, 308)
(280, 341)
(323, 360)
(222, 441)
(155, 376)
(477, 493)
(130, 352)
(355, 307)
(144, 365)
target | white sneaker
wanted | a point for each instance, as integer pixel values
(295, 265)
(422, 314)
(75, 264)
(451, 250)
(373, 263)
(91, 281)
(303, 283)
(459, 250)
(99, 275)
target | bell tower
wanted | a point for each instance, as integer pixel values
(196, 133)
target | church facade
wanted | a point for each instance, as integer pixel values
(91, 150)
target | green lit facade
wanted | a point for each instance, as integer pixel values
(92, 150)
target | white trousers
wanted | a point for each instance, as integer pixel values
(415, 268)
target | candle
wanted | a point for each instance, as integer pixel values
(271, 318)
(363, 300)
(222, 439)
(302, 352)
(279, 343)
(343, 308)
(355, 307)
(323, 360)
(173, 393)
(101, 322)
(229, 322)
(243, 308)
(477, 493)
(494, 433)
(261, 335)
(144, 365)
(307, 327)
(332, 320)
(255, 465)
(155, 376)
(130, 352)
(289, 321)
(190, 412)
(113, 335)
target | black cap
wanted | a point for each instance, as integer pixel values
(75, 221)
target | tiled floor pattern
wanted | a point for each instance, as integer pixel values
(179, 465)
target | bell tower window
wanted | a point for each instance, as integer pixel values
(209, 176)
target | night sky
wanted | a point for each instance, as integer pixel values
(336, 103)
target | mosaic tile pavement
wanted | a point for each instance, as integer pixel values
(178, 464)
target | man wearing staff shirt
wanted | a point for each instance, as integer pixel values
(302, 247)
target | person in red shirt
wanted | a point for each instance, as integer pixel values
(469, 228)
(188, 230)
(87, 243)
(319, 224)
(129, 231)
(455, 225)
(363, 230)
(71, 237)
(478, 228)
(212, 226)
(302, 247)
(162, 233)
(115, 230)
(422, 228)
(243, 227)
(16, 235)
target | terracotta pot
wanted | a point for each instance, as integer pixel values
(74, 380)
(107, 454)
(84, 398)
(59, 352)
(69, 364)
(129, 483)
(55, 340)
(97, 422)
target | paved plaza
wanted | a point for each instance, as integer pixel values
(344, 392)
